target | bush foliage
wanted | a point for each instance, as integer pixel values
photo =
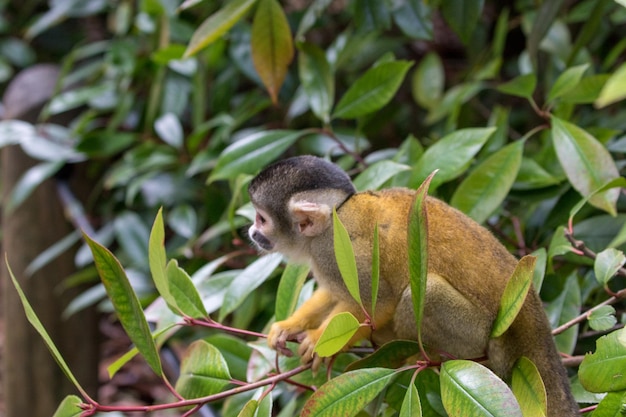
(519, 105)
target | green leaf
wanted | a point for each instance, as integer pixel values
(372, 90)
(390, 355)
(170, 130)
(203, 371)
(603, 370)
(413, 17)
(514, 295)
(602, 318)
(483, 191)
(344, 254)
(36, 323)
(337, 334)
(607, 263)
(411, 406)
(462, 16)
(250, 154)
(528, 388)
(69, 407)
(347, 394)
(418, 252)
(271, 44)
(532, 176)
(125, 303)
(567, 81)
(614, 183)
(521, 86)
(289, 289)
(30, 181)
(247, 281)
(217, 24)
(586, 162)
(376, 175)
(561, 310)
(469, 389)
(316, 77)
(428, 81)
(185, 295)
(249, 409)
(612, 405)
(614, 90)
(540, 268)
(587, 91)
(452, 100)
(450, 155)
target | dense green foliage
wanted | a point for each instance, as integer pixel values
(519, 105)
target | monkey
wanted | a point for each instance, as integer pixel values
(468, 269)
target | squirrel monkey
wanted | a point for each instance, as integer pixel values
(467, 272)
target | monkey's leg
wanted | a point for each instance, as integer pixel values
(309, 316)
(451, 324)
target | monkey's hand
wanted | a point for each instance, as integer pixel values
(280, 333)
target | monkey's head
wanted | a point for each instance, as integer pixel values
(294, 199)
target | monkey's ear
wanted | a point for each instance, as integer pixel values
(311, 218)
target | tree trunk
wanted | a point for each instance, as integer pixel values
(33, 384)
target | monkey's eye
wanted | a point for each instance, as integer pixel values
(260, 219)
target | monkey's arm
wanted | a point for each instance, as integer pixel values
(309, 316)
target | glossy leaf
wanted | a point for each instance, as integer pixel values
(612, 404)
(170, 130)
(337, 334)
(561, 310)
(372, 90)
(390, 355)
(615, 88)
(36, 323)
(186, 297)
(183, 220)
(586, 162)
(413, 17)
(483, 191)
(289, 289)
(125, 303)
(602, 318)
(451, 155)
(31, 179)
(452, 100)
(428, 81)
(411, 406)
(247, 281)
(462, 16)
(249, 409)
(312, 14)
(470, 389)
(250, 154)
(272, 47)
(567, 81)
(203, 371)
(69, 407)
(607, 263)
(587, 91)
(418, 252)
(514, 295)
(347, 394)
(528, 388)
(603, 370)
(614, 183)
(217, 24)
(376, 175)
(317, 80)
(344, 254)
(157, 259)
(521, 86)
